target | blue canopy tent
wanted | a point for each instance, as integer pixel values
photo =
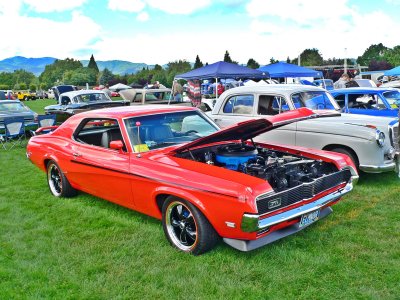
(283, 70)
(222, 70)
(392, 72)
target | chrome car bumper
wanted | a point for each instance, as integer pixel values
(378, 169)
(253, 223)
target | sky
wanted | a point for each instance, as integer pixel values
(161, 31)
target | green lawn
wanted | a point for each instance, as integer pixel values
(85, 247)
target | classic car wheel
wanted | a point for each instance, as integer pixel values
(186, 227)
(349, 153)
(58, 183)
(25, 98)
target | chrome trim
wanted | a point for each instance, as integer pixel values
(354, 175)
(252, 222)
(378, 169)
(378, 136)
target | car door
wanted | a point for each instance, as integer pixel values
(103, 172)
(237, 108)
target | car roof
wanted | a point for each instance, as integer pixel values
(81, 92)
(131, 111)
(363, 89)
(282, 88)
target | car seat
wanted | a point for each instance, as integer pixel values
(159, 133)
(111, 135)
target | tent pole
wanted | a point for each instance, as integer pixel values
(216, 88)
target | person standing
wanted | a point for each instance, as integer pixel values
(177, 91)
(107, 90)
(341, 83)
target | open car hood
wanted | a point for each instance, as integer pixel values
(252, 128)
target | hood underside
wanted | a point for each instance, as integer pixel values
(252, 128)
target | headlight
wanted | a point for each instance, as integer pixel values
(380, 138)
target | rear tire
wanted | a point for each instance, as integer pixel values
(186, 228)
(58, 184)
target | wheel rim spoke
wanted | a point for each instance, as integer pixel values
(182, 226)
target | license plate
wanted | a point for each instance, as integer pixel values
(309, 218)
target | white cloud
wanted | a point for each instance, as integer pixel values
(170, 6)
(143, 17)
(127, 5)
(299, 11)
(38, 37)
(179, 6)
(50, 6)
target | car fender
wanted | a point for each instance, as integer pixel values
(173, 191)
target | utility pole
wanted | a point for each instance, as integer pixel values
(345, 60)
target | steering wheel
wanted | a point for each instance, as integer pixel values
(191, 131)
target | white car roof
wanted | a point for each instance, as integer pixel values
(278, 88)
(81, 92)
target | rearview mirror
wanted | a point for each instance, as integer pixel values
(117, 145)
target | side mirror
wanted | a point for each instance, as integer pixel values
(117, 145)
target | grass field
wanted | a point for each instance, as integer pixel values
(85, 247)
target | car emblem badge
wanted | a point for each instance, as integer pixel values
(274, 203)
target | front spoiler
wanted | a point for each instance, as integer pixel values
(253, 223)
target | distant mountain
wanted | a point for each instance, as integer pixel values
(34, 65)
(37, 65)
(120, 67)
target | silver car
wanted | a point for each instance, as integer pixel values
(367, 140)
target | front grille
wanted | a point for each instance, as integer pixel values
(271, 202)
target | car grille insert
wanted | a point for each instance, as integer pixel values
(270, 202)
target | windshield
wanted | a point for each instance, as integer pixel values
(314, 100)
(393, 97)
(13, 107)
(93, 97)
(162, 130)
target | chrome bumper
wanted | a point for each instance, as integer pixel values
(253, 223)
(378, 169)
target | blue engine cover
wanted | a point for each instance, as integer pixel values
(233, 162)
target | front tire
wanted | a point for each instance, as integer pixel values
(58, 184)
(186, 228)
(350, 154)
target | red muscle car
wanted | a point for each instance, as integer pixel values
(173, 163)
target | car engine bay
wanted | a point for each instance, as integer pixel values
(282, 170)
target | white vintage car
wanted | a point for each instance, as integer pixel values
(367, 140)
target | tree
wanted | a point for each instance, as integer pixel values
(288, 60)
(93, 65)
(309, 57)
(373, 52)
(54, 72)
(227, 57)
(272, 60)
(379, 65)
(176, 67)
(157, 67)
(392, 56)
(106, 76)
(198, 63)
(251, 63)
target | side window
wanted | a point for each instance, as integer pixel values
(340, 99)
(264, 104)
(240, 104)
(366, 101)
(279, 105)
(65, 100)
(99, 132)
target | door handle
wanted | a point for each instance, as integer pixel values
(76, 154)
